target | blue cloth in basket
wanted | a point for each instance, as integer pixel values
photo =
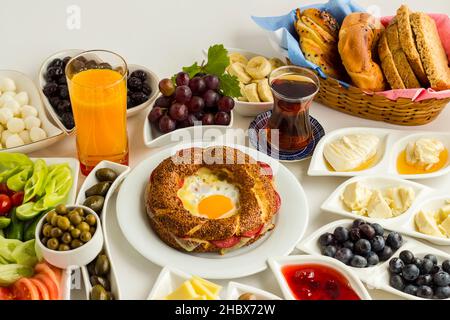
(339, 9)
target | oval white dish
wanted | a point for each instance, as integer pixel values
(236, 289)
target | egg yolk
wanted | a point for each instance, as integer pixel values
(215, 206)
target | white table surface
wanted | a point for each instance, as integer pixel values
(164, 36)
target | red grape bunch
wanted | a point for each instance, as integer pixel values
(188, 101)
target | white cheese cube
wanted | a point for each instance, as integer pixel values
(15, 125)
(5, 135)
(14, 141)
(31, 122)
(27, 111)
(22, 98)
(37, 134)
(25, 136)
(5, 115)
(14, 106)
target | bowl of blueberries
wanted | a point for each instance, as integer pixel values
(142, 85)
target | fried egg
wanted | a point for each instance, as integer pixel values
(205, 195)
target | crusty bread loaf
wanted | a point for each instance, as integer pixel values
(431, 52)
(358, 40)
(318, 37)
(388, 64)
(408, 44)
(401, 62)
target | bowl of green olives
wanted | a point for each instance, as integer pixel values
(69, 236)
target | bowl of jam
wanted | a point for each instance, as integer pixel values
(306, 277)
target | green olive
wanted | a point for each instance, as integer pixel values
(98, 293)
(101, 281)
(61, 209)
(91, 269)
(102, 266)
(80, 211)
(50, 216)
(56, 232)
(66, 238)
(95, 203)
(75, 218)
(109, 295)
(75, 233)
(76, 244)
(99, 189)
(63, 223)
(46, 229)
(92, 230)
(85, 236)
(83, 226)
(91, 220)
(71, 228)
(52, 243)
(54, 220)
(63, 247)
(106, 174)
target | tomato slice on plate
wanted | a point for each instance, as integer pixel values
(277, 202)
(51, 271)
(24, 289)
(253, 233)
(227, 243)
(42, 288)
(6, 294)
(49, 283)
(17, 198)
(266, 169)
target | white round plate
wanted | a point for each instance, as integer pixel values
(290, 223)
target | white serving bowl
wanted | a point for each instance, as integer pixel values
(76, 257)
(276, 264)
(236, 289)
(54, 134)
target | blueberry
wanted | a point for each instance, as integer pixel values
(54, 101)
(418, 262)
(446, 266)
(67, 120)
(134, 84)
(358, 262)
(362, 247)
(379, 231)
(424, 280)
(411, 289)
(348, 244)
(326, 239)
(436, 269)
(357, 223)
(396, 265)
(372, 258)
(50, 89)
(367, 231)
(410, 272)
(341, 234)
(63, 107)
(426, 266)
(377, 243)
(54, 73)
(397, 282)
(138, 98)
(329, 251)
(56, 63)
(344, 255)
(425, 292)
(431, 257)
(406, 256)
(355, 234)
(442, 292)
(441, 279)
(146, 89)
(394, 240)
(386, 253)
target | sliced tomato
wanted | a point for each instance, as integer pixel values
(42, 288)
(48, 270)
(57, 271)
(6, 294)
(277, 202)
(266, 169)
(181, 183)
(253, 233)
(227, 243)
(49, 283)
(24, 289)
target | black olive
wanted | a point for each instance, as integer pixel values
(138, 98)
(82, 59)
(105, 174)
(50, 89)
(67, 120)
(146, 89)
(54, 73)
(78, 65)
(63, 92)
(91, 64)
(62, 80)
(54, 101)
(104, 65)
(55, 63)
(135, 84)
(66, 60)
(99, 189)
(140, 74)
(129, 103)
(63, 107)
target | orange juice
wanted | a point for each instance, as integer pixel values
(99, 103)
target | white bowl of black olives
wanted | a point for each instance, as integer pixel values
(69, 236)
(142, 84)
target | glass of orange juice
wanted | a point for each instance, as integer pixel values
(97, 82)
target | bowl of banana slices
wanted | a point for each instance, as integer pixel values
(252, 71)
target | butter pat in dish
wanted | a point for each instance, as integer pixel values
(424, 155)
(195, 289)
(351, 152)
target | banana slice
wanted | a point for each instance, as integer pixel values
(251, 92)
(238, 69)
(237, 57)
(258, 67)
(264, 91)
(276, 63)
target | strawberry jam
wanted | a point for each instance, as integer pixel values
(318, 282)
